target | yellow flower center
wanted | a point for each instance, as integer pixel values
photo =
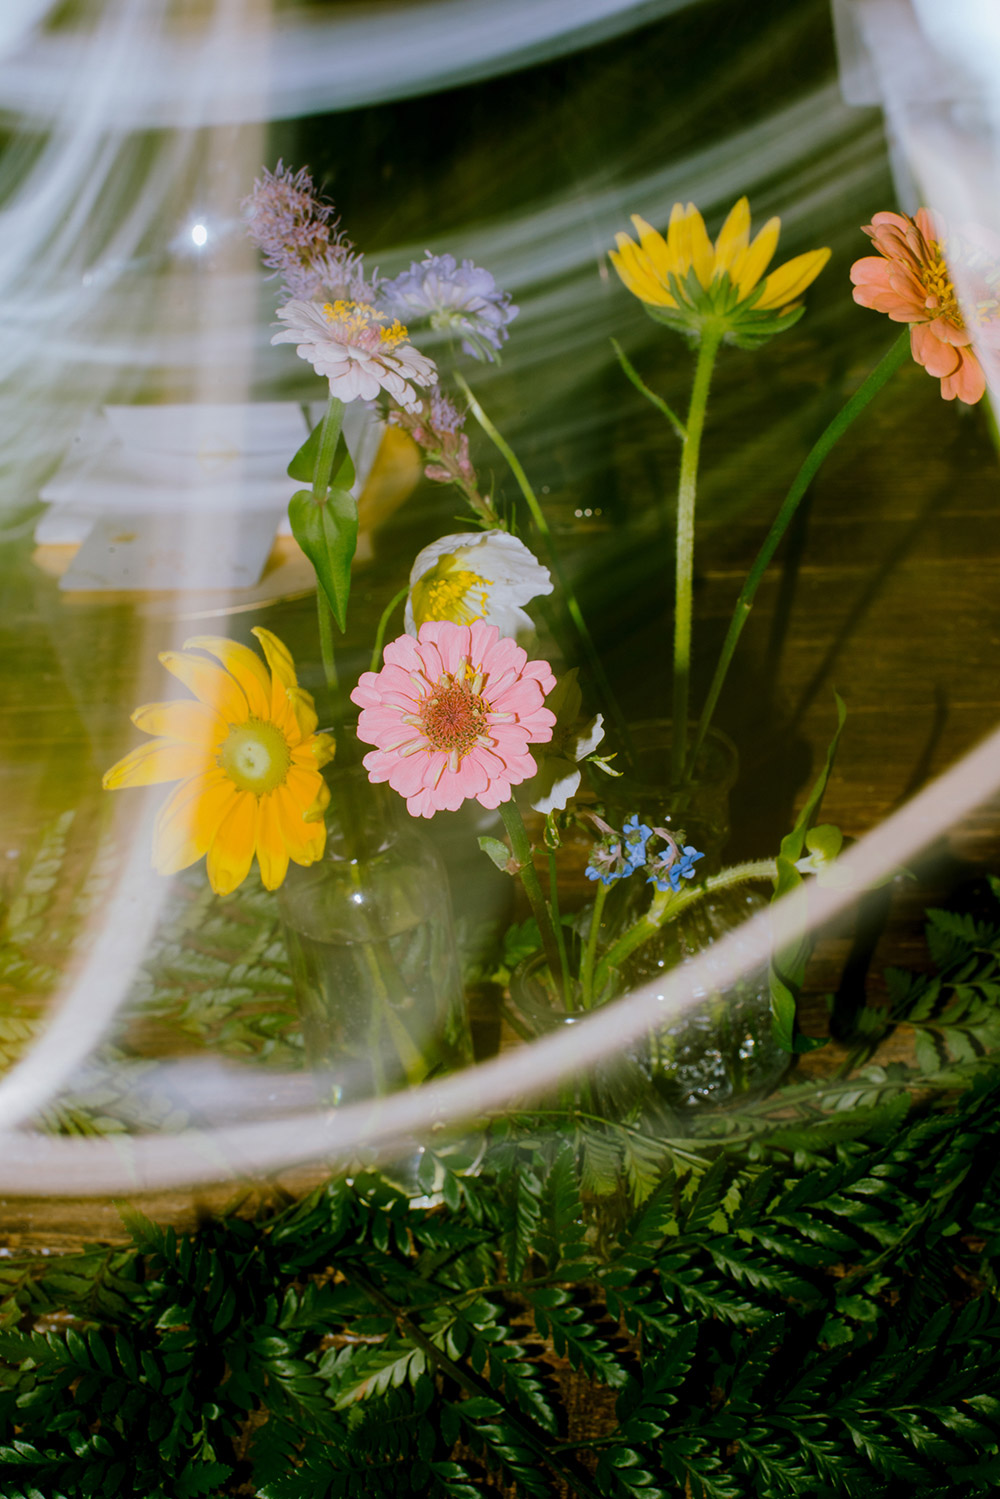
(255, 756)
(357, 322)
(454, 717)
(448, 592)
(939, 286)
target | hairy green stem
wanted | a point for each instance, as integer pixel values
(521, 849)
(329, 435)
(383, 625)
(590, 952)
(633, 374)
(544, 530)
(886, 367)
(668, 904)
(687, 490)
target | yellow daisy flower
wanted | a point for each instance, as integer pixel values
(687, 281)
(247, 756)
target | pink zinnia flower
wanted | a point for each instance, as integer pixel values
(910, 279)
(452, 714)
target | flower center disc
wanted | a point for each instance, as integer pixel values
(454, 717)
(255, 757)
(448, 593)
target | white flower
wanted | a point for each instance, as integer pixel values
(357, 349)
(558, 775)
(488, 575)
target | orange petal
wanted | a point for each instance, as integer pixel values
(209, 683)
(242, 663)
(159, 760)
(232, 850)
(734, 236)
(189, 818)
(194, 723)
(791, 279)
(272, 854)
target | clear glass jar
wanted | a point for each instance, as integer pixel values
(371, 944)
(723, 1047)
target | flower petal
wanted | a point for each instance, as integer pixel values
(749, 265)
(159, 760)
(272, 852)
(194, 723)
(189, 818)
(232, 850)
(242, 663)
(209, 683)
(734, 236)
(791, 279)
(279, 657)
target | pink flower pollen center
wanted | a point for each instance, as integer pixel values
(454, 716)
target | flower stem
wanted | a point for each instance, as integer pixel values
(544, 530)
(886, 367)
(590, 952)
(333, 421)
(329, 436)
(557, 928)
(325, 622)
(383, 625)
(687, 490)
(667, 905)
(633, 374)
(521, 849)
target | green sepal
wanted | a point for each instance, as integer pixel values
(788, 966)
(303, 465)
(497, 851)
(328, 534)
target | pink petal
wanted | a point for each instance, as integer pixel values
(938, 359)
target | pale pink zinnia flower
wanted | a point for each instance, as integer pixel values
(357, 348)
(452, 714)
(912, 279)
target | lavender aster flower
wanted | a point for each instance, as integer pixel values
(301, 239)
(462, 299)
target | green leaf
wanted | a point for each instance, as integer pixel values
(496, 850)
(328, 534)
(303, 466)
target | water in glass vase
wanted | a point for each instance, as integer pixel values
(372, 951)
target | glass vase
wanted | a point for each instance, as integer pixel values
(722, 1048)
(372, 950)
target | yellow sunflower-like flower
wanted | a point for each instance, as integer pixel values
(691, 284)
(247, 756)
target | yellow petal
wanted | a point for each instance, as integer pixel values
(159, 760)
(231, 853)
(748, 266)
(305, 841)
(188, 820)
(279, 657)
(302, 785)
(678, 246)
(194, 723)
(655, 251)
(304, 708)
(272, 855)
(734, 236)
(791, 279)
(209, 683)
(323, 748)
(634, 272)
(244, 664)
(701, 248)
(315, 812)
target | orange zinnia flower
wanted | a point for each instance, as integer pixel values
(912, 282)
